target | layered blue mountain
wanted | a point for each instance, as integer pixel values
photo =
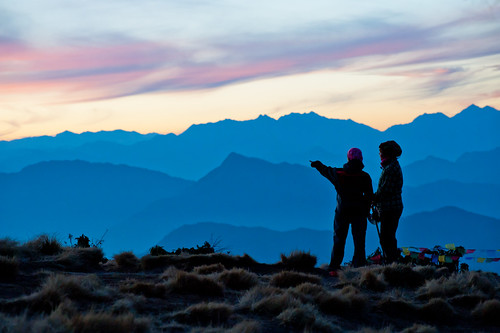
(295, 138)
(473, 167)
(440, 227)
(78, 197)
(251, 192)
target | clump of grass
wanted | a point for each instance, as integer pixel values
(437, 310)
(58, 287)
(428, 271)
(348, 299)
(307, 292)
(127, 261)
(209, 269)
(8, 247)
(190, 283)
(148, 289)
(128, 304)
(9, 267)
(488, 312)
(468, 301)
(274, 304)
(419, 328)
(107, 322)
(45, 245)
(238, 279)
(188, 262)
(396, 307)
(399, 275)
(246, 326)
(480, 281)
(257, 293)
(299, 260)
(301, 317)
(371, 281)
(81, 259)
(288, 279)
(206, 314)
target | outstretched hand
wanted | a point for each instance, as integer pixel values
(315, 164)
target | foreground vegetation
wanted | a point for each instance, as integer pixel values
(45, 287)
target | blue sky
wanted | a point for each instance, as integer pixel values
(160, 66)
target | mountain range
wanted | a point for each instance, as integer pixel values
(295, 138)
(427, 229)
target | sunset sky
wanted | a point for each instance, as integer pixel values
(160, 66)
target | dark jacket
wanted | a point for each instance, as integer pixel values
(353, 185)
(390, 185)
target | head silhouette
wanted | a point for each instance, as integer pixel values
(355, 154)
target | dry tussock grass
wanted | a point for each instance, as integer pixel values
(256, 294)
(437, 310)
(182, 282)
(128, 304)
(347, 300)
(81, 259)
(275, 304)
(109, 323)
(399, 275)
(9, 267)
(246, 326)
(288, 279)
(396, 307)
(419, 328)
(299, 260)
(372, 281)
(239, 279)
(468, 283)
(44, 245)
(209, 269)
(205, 314)
(8, 247)
(188, 262)
(148, 289)
(306, 318)
(58, 287)
(127, 261)
(488, 312)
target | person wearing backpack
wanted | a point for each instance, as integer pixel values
(387, 200)
(354, 196)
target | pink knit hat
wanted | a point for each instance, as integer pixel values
(354, 154)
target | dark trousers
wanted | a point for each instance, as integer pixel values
(389, 221)
(340, 229)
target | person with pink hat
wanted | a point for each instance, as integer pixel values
(354, 196)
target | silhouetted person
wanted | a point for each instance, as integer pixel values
(387, 200)
(354, 195)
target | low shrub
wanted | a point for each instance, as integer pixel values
(488, 312)
(205, 314)
(396, 307)
(299, 260)
(256, 294)
(127, 261)
(9, 268)
(238, 279)
(157, 250)
(288, 279)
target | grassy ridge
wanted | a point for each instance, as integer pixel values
(45, 286)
